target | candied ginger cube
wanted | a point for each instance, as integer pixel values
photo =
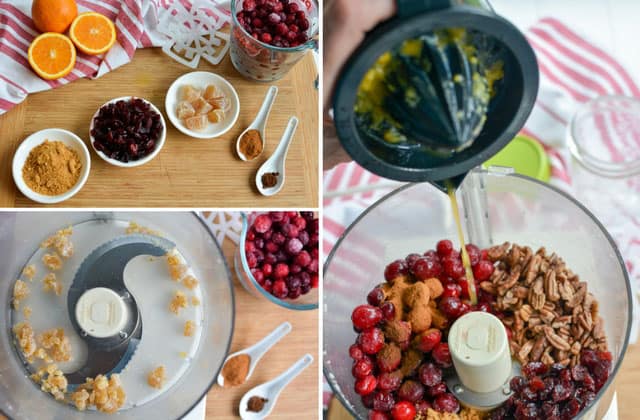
(216, 116)
(196, 123)
(190, 93)
(201, 106)
(185, 110)
(211, 92)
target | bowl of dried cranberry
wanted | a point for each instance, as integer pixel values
(277, 258)
(127, 131)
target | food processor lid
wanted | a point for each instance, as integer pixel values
(521, 79)
(526, 156)
(604, 136)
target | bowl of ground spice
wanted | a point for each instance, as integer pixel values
(51, 165)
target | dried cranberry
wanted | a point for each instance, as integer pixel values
(366, 316)
(571, 409)
(517, 383)
(578, 372)
(534, 368)
(562, 391)
(446, 403)
(527, 411)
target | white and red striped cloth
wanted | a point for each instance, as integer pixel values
(572, 72)
(135, 21)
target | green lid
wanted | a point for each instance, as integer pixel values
(526, 156)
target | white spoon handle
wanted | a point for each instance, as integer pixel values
(266, 343)
(285, 141)
(263, 114)
(283, 380)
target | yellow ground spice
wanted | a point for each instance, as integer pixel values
(51, 168)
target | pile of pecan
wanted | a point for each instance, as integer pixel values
(551, 314)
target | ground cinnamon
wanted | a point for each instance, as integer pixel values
(256, 404)
(236, 369)
(270, 179)
(51, 168)
(251, 144)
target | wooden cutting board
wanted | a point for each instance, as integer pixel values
(187, 172)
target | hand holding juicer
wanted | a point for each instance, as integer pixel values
(435, 91)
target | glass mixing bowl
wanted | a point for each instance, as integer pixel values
(303, 303)
(498, 207)
(21, 233)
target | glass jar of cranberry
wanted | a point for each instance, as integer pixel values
(268, 37)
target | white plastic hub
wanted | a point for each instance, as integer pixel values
(101, 312)
(480, 351)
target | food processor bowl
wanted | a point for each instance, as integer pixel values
(498, 206)
(21, 234)
(303, 303)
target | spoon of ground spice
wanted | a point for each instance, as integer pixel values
(266, 395)
(250, 143)
(239, 366)
(273, 168)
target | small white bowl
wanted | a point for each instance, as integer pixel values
(52, 134)
(132, 163)
(200, 79)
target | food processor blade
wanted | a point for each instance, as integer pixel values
(104, 268)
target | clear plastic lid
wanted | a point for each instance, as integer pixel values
(604, 136)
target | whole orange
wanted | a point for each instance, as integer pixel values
(53, 15)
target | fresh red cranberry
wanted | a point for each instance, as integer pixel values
(258, 275)
(464, 287)
(292, 8)
(355, 352)
(441, 355)
(446, 403)
(438, 389)
(426, 341)
(383, 401)
(450, 306)
(252, 261)
(290, 231)
(278, 238)
(249, 5)
(362, 368)
(453, 268)
(452, 290)
(444, 248)
(271, 247)
(483, 307)
(389, 381)
(395, 269)
(424, 268)
(295, 269)
(251, 235)
(249, 246)
(465, 308)
(430, 374)
(314, 281)
(432, 255)
(411, 391)
(366, 316)
(483, 270)
(377, 415)
(388, 311)
(304, 237)
(280, 289)
(474, 253)
(367, 400)
(411, 259)
(294, 246)
(266, 37)
(371, 341)
(281, 270)
(366, 385)
(375, 297)
(403, 410)
(262, 223)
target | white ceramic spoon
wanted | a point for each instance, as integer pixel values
(260, 122)
(276, 162)
(271, 390)
(259, 349)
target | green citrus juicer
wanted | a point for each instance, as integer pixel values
(435, 91)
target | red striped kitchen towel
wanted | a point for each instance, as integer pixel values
(136, 25)
(572, 72)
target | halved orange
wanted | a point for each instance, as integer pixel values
(93, 33)
(52, 55)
